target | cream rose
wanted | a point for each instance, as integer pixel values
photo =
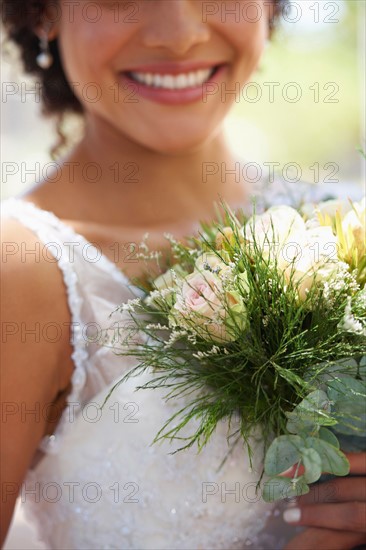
(226, 239)
(166, 286)
(167, 279)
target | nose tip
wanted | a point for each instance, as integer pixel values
(177, 26)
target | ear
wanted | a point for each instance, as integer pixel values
(49, 21)
(270, 8)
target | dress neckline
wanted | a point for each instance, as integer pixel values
(103, 261)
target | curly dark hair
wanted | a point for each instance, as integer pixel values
(20, 18)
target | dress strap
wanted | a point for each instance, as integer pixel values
(45, 225)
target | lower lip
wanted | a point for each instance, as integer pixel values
(175, 97)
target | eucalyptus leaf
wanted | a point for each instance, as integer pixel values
(333, 460)
(331, 369)
(352, 427)
(316, 400)
(312, 464)
(278, 488)
(349, 396)
(350, 424)
(352, 405)
(362, 368)
(283, 453)
(345, 387)
(298, 423)
(329, 437)
(310, 413)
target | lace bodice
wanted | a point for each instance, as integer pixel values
(101, 484)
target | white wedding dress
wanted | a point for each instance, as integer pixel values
(100, 484)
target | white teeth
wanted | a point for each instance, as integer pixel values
(173, 82)
(168, 82)
(157, 80)
(149, 79)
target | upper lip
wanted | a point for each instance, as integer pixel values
(171, 67)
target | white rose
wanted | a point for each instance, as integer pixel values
(326, 209)
(271, 231)
(331, 207)
(315, 262)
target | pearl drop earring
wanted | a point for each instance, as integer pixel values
(44, 58)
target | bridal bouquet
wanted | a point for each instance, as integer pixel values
(263, 319)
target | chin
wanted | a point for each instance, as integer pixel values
(176, 139)
(176, 145)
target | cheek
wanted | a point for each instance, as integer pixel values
(244, 25)
(90, 50)
(250, 44)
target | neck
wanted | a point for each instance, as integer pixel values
(144, 187)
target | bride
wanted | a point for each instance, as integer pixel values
(152, 79)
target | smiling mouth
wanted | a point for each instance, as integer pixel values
(179, 81)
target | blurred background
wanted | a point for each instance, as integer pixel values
(305, 105)
(315, 67)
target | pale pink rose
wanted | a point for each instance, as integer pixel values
(201, 305)
(200, 295)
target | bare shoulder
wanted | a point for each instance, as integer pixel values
(32, 283)
(33, 298)
(36, 364)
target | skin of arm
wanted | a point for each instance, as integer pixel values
(35, 369)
